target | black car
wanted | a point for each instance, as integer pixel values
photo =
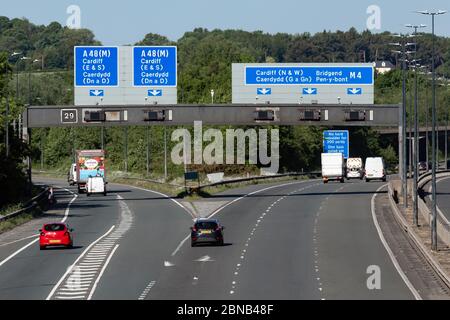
(207, 231)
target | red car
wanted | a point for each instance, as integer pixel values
(55, 234)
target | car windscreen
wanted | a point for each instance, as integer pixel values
(54, 227)
(206, 225)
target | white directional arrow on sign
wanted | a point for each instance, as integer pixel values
(310, 91)
(154, 92)
(354, 91)
(264, 91)
(96, 93)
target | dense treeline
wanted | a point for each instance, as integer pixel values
(204, 63)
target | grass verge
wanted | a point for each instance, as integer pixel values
(20, 219)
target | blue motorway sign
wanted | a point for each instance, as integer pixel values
(336, 141)
(320, 75)
(155, 66)
(96, 66)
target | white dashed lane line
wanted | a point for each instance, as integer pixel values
(146, 290)
(259, 220)
(315, 242)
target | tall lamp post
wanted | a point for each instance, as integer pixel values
(434, 237)
(416, 130)
(14, 54)
(403, 44)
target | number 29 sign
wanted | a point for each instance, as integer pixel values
(69, 116)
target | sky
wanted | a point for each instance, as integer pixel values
(126, 22)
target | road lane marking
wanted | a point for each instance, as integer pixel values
(146, 290)
(164, 195)
(18, 251)
(97, 255)
(388, 249)
(66, 212)
(180, 245)
(101, 272)
(26, 238)
(70, 269)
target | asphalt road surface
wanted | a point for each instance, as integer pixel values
(292, 240)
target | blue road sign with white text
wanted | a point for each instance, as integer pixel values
(336, 141)
(96, 66)
(320, 75)
(155, 66)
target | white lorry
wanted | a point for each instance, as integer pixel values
(355, 168)
(333, 167)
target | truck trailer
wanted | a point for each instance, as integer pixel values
(89, 164)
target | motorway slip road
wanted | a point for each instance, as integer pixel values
(291, 240)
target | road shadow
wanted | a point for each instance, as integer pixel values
(56, 248)
(212, 245)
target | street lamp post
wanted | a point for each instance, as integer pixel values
(403, 44)
(434, 238)
(416, 130)
(20, 131)
(7, 103)
(7, 112)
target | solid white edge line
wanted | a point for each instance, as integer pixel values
(66, 213)
(388, 249)
(235, 200)
(73, 264)
(101, 272)
(18, 251)
(18, 240)
(161, 194)
(180, 245)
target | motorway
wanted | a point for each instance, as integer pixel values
(291, 240)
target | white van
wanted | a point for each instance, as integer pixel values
(96, 185)
(375, 169)
(72, 175)
(355, 168)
